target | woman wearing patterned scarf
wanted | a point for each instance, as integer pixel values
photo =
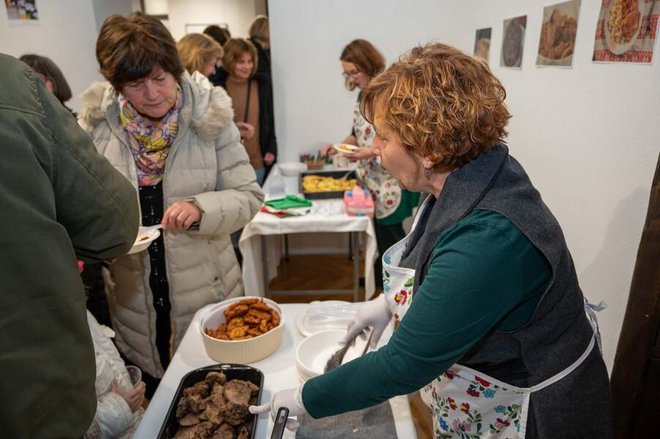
(172, 135)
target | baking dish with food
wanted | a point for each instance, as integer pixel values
(232, 372)
(334, 185)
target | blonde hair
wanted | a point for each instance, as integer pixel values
(259, 29)
(234, 48)
(197, 50)
(445, 106)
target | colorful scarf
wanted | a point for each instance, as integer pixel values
(149, 140)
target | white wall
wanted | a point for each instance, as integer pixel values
(238, 14)
(587, 136)
(65, 32)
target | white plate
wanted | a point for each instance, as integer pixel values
(345, 148)
(145, 236)
(621, 48)
(325, 315)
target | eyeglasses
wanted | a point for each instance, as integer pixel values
(352, 74)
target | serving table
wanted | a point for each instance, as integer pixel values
(260, 241)
(279, 371)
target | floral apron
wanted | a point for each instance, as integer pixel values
(466, 403)
(381, 184)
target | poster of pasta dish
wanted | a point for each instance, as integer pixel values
(558, 32)
(626, 31)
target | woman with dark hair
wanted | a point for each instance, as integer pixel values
(260, 36)
(220, 34)
(172, 135)
(46, 70)
(492, 324)
(253, 108)
(361, 61)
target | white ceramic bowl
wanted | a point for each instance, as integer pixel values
(145, 236)
(239, 351)
(313, 353)
(292, 169)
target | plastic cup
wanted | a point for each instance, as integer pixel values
(135, 374)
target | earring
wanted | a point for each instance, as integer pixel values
(428, 172)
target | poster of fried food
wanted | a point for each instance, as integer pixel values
(513, 42)
(482, 44)
(558, 32)
(626, 31)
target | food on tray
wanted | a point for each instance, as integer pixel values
(317, 183)
(246, 318)
(623, 20)
(558, 36)
(216, 407)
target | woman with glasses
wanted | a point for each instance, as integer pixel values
(361, 61)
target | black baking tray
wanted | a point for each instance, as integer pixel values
(232, 371)
(348, 174)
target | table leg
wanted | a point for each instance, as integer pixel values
(264, 266)
(355, 242)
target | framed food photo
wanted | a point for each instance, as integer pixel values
(482, 44)
(626, 31)
(558, 32)
(513, 42)
(21, 10)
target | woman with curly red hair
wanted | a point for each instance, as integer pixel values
(493, 327)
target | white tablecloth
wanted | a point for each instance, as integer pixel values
(279, 373)
(325, 216)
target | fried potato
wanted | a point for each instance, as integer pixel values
(246, 318)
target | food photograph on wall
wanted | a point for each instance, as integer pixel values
(513, 42)
(558, 32)
(482, 43)
(626, 31)
(21, 9)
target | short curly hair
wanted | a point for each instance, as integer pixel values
(129, 47)
(196, 50)
(445, 106)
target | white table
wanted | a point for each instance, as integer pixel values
(260, 242)
(279, 371)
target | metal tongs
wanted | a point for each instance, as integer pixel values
(338, 357)
(280, 423)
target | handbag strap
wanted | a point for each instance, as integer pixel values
(247, 103)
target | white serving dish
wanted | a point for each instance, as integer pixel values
(313, 353)
(244, 351)
(326, 315)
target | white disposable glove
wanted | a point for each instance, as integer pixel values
(291, 399)
(373, 313)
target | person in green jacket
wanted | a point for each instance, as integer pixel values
(491, 324)
(61, 201)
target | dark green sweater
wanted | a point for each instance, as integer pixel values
(484, 274)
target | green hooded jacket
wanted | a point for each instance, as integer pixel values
(60, 201)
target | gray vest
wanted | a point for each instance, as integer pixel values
(559, 331)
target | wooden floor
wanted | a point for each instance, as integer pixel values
(308, 272)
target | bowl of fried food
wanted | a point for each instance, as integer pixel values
(242, 329)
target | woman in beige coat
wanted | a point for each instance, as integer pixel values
(172, 135)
